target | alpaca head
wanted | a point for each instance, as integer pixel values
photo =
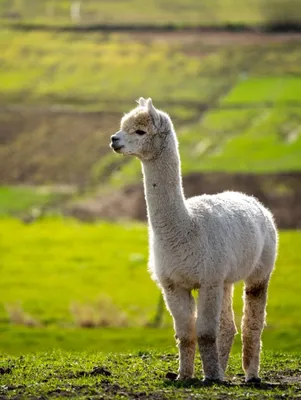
(144, 132)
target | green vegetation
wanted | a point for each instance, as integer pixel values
(258, 140)
(60, 276)
(18, 199)
(175, 13)
(45, 68)
(72, 262)
(268, 89)
(250, 93)
(252, 140)
(67, 286)
(137, 375)
(23, 340)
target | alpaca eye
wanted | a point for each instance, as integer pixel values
(140, 132)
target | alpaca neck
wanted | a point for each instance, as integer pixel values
(165, 200)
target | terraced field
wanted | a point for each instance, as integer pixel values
(234, 99)
(164, 12)
(235, 106)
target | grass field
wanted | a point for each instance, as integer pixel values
(71, 287)
(43, 68)
(20, 200)
(260, 140)
(176, 13)
(138, 375)
(59, 275)
(235, 105)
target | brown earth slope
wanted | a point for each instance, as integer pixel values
(280, 192)
(43, 146)
(49, 146)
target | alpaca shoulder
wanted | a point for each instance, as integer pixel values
(226, 204)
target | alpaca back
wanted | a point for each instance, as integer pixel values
(237, 234)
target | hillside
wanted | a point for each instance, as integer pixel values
(80, 316)
(234, 99)
(176, 14)
(235, 103)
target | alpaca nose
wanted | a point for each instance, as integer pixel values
(114, 139)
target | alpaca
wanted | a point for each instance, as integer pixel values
(206, 243)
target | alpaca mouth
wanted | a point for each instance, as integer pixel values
(116, 148)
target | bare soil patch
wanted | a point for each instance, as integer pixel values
(46, 145)
(218, 38)
(280, 192)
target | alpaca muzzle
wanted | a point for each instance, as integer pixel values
(116, 142)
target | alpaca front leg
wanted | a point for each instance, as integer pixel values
(255, 298)
(227, 328)
(207, 326)
(181, 305)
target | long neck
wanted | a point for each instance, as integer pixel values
(163, 191)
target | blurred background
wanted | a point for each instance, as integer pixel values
(73, 235)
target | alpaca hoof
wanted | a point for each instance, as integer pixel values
(209, 381)
(253, 380)
(184, 378)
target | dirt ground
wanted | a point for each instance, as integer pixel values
(280, 192)
(218, 38)
(50, 156)
(52, 145)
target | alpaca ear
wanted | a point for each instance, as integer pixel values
(142, 102)
(152, 112)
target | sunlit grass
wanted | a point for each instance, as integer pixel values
(279, 89)
(70, 262)
(108, 72)
(14, 200)
(139, 374)
(48, 266)
(175, 13)
(73, 69)
(260, 140)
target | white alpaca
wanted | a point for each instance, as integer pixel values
(207, 243)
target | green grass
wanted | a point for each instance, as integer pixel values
(20, 199)
(178, 13)
(50, 265)
(137, 375)
(44, 68)
(78, 262)
(251, 94)
(22, 340)
(259, 140)
(268, 89)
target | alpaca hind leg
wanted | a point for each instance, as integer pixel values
(255, 298)
(181, 305)
(227, 329)
(207, 326)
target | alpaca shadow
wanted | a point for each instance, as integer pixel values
(170, 380)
